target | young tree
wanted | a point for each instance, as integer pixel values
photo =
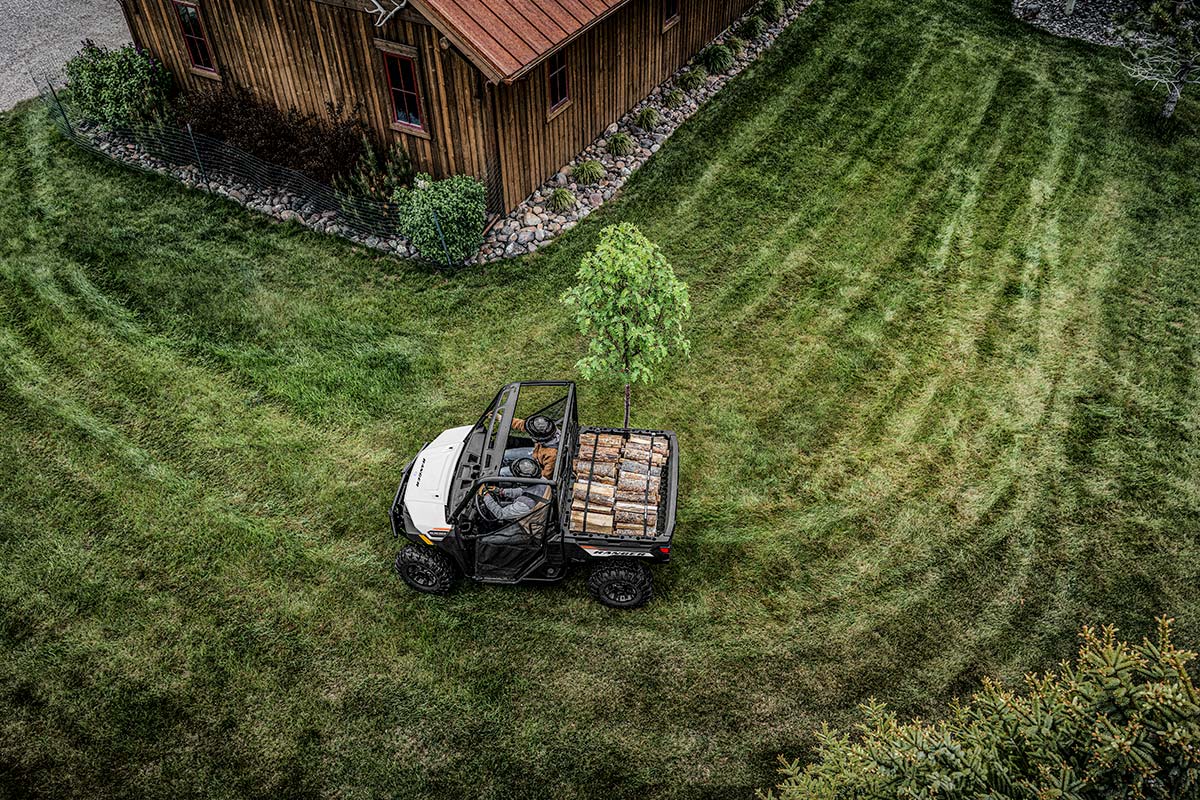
(1163, 42)
(630, 305)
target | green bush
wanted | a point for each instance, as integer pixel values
(674, 97)
(561, 200)
(457, 204)
(648, 118)
(118, 88)
(771, 10)
(692, 79)
(619, 144)
(588, 172)
(736, 45)
(716, 58)
(752, 28)
(1123, 721)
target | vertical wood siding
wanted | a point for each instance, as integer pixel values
(611, 68)
(305, 54)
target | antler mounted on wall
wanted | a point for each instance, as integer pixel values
(382, 14)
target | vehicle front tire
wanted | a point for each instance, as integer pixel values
(425, 569)
(621, 584)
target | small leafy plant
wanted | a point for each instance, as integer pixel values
(648, 118)
(716, 58)
(771, 10)
(736, 45)
(619, 144)
(118, 88)
(561, 200)
(443, 219)
(752, 28)
(674, 97)
(692, 79)
(588, 172)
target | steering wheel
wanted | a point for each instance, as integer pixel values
(481, 507)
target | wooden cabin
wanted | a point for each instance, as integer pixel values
(506, 90)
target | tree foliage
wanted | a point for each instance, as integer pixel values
(1122, 721)
(631, 306)
(1162, 39)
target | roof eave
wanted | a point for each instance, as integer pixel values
(490, 71)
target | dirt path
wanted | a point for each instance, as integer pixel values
(39, 37)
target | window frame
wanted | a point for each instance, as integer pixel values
(196, 69)
(672, 20)
(553, 109)
(405, 53)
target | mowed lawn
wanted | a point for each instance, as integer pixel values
(942, 409)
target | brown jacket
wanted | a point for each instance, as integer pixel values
(545, 456)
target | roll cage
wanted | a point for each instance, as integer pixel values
(483, 450)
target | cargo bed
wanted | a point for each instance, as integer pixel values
(624, 485)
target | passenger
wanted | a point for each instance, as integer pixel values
(517, 502)
(545, 435)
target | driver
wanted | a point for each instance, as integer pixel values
(545, 435)
(517, 502)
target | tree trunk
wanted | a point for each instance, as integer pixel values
(1172, 100)
(627, 406)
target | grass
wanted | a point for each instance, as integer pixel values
(942, 409)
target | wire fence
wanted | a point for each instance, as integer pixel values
(207, 163)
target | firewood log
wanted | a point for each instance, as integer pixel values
(595, 490)
(596, 523)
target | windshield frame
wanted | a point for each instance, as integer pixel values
(484, 446)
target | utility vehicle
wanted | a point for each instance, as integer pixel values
(605, 498)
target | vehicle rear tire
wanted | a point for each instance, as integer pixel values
(621, 584)
(425, 569)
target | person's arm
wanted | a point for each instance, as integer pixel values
(518, 424)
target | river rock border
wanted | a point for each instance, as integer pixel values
(1091, 21)
(532, 224)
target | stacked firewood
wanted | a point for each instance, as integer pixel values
(617, 484)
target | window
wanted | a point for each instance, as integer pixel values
(670, 13)
(406, 93)
(194, 38)
(556, 80)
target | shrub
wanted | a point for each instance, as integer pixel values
(736, 45)
(674, 97)
(458, 205)
(590, 171)
(771, 10)
(321, 147)
(648, 118)
(716, 58)
(619, 144)
(1122, 721)
(378, 173)
(561, 200)
(752, 28)
(118, 88)
(692, 79)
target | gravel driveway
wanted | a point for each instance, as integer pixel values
(39, 37)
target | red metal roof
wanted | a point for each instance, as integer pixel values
(506, 37)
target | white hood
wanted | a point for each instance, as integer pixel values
(429, 482)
